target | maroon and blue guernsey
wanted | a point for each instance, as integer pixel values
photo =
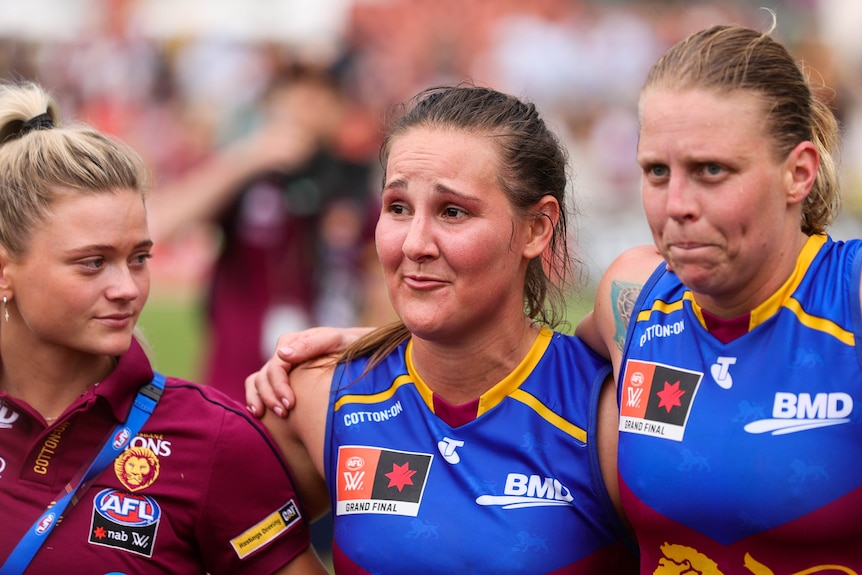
(201, 489)
(512, 488)
(744, 454)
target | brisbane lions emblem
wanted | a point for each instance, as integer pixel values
(137, 468)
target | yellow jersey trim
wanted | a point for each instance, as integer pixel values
(507, 387)
(500, 390)
(782, 298)
(549, 416)
(376, 397)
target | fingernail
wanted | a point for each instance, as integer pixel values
(285, 350)
(278, 411)
(285, 402)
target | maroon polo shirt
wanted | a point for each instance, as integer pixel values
(200, 489)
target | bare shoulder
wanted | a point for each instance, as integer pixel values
(627, 274)
(312, 381)
(633, 265)
(301, 435)
(618, 291)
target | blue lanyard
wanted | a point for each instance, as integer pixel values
(145, 402)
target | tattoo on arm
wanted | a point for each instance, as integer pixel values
(623, 298)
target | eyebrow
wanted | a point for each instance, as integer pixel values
(145, 244)
(399, 183)
(450, 192)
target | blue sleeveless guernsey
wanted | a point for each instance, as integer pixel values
(746, 457)
(516, 490)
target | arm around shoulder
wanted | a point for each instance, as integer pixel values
(271, 387)
(300, 436)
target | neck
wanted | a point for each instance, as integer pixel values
(758, 289)
(462, 372)
(51, 390)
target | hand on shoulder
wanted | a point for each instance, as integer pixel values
(270, 386)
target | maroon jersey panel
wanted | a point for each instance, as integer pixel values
(200, 489)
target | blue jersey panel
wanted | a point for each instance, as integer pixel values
(749, 452)
(517, 490)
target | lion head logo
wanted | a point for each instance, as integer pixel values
(137, 468)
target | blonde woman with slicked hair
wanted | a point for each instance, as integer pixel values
(108, 466)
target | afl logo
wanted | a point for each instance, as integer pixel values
(126, 508)
(121, 438)
(355, 463)
(45, 524)
(637, 379)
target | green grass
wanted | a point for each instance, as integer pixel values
(578, 305)
(174, 330)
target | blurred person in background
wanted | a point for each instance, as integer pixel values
(293, 207)
(107, 466)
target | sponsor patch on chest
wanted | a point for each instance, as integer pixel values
(125, 521)
(375, 480)
(656, 399)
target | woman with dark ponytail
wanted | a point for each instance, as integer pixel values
(466, 437)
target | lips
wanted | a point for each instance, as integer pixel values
(687, 249)
(119, 320)
(423, 282)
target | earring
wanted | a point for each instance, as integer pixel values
(5, 309)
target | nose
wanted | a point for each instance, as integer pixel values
(125, 284)
(419, 242)
(681, 198)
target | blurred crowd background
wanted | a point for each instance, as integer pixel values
(181, 80)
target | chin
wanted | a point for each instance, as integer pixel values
(422, 328)
(114, 346)
(700, 283)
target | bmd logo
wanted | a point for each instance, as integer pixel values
(793, 412)
(529, 491)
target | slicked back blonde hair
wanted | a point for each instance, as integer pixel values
(36, 165)
(733, 58)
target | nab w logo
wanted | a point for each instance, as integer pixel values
(354, 480)
(793, 412)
